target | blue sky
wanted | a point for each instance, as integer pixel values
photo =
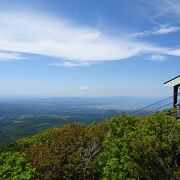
(88, 48)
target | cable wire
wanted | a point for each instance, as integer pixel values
(156, 103)
(152, 106)
(159, 108)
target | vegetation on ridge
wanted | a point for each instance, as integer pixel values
(125, 147)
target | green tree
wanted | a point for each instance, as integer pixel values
(67, 152)
(141, 148)
(14, 165)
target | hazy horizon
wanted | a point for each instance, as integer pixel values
(76, 97)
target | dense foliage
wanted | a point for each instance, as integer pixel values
(141, 148)
(14, 165)
(65, 153)
(125, 147)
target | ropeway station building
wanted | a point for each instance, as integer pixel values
(175, 83)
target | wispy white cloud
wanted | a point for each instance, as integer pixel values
(9, 56)
(40, 34)
(166, 29)
(175, 52)
(163, 29)
(169, 6)
(164, 7)
(84, 88)
(60, 38)
(158, 57)
(70, 64)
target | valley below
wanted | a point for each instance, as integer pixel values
(26, 117)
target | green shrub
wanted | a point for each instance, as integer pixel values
(141, 148)
(126, 147)
(65, 153)
(14, 165)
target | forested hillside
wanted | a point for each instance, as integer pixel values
(27, 117)
(124, 147)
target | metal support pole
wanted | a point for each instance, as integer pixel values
(178, 110)
(175, 96)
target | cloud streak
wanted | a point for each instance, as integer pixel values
(163, 29)
(59, 38)
(70, 64)
(158, 57)
(62, 39)
(9, 56)
(164, 7)
(169, 6)
(84, 88)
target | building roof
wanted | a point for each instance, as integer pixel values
(173, 82)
